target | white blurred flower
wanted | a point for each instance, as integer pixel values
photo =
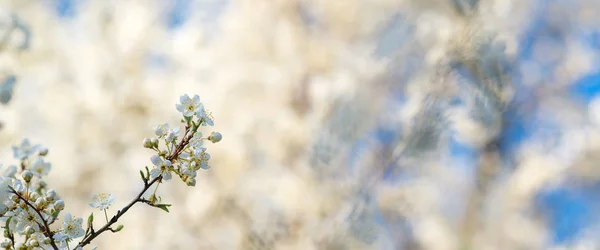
(10, 171)
(594, 111)
(40, 168)
(162, 167)
(102, 201)
(72, 226)
(188, 106)
(24, 150)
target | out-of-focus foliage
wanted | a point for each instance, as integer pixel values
(356, 124)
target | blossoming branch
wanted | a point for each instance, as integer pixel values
(30, 208)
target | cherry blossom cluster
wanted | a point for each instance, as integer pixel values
(182, 157)
(31, 211)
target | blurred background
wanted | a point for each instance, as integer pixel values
(347, 124)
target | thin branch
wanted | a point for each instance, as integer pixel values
(120, 213)
(46, 227)
(187, 136)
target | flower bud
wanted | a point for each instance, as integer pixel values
(40, 202)
(59, 205)
(46, 241)
(215, 137)
(5, 243)
(43, 151)
(50, 195)
(171, 136)
(191, 182)
(154, 142)
(27, 175)
(42, 184)
(34, 243)
(29, 230)
(148, 143)
(33, 196)
(163, 153)
(3, 209)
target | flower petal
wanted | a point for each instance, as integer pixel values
(156, 160)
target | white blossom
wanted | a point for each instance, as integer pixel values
(202, 157)
(61, 239)
(102, 201)
(188, 169)
(162, 167)
(172, 134)
(197, 140)
(26, 218)
(24, 150)
(206, 117)
(72, 226)
(40, 168)
(188, 106)
(161, 130)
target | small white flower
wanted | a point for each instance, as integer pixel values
(161, 130)
(197, 141)
(163, 167)
(27, 218)
(39, 237)
(40, 168)
(188, 106)
(61, 238)
(24, 150)
(202, 156)
(172, 134)
(72, 226)
(188, 169)
(206, 117)
(102, 201)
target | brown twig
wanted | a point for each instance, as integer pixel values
(46, 227)
(174, 155)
